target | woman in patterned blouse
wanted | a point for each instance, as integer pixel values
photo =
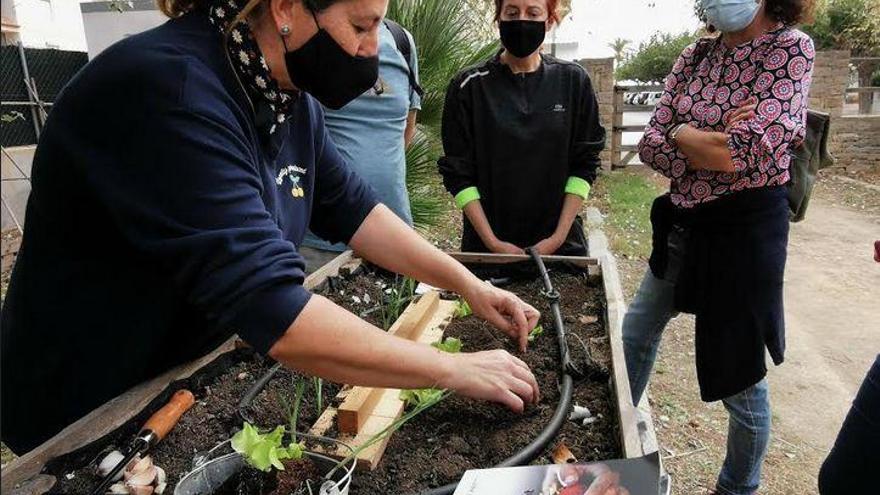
(732, 112)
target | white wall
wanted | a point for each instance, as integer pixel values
(104, 26)
(50, 24)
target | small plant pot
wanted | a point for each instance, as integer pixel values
(211, 472)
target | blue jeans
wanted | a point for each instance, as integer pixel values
(748, 431)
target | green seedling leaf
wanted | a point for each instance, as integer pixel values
(451, 345)
(264, 451)
(246, 439)
(463, 309)
(538, 330)
(421, 397)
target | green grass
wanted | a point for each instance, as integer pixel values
(6, 455)
(625, 199)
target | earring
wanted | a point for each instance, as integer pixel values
(285, 30)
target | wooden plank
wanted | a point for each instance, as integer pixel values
(637, 88)
(628, 417)
(493, 258)
(864, 89)
(638, 108)
(629, 147)
(629, 128)
(331, 269)
(628, 158)
(412, 322)
(388, 407)
(360, 402)
(616, 121)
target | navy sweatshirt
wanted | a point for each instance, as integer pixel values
(163, 219)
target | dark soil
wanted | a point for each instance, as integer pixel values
(367, 294)
(291, 481)
(215, 417)
(433, 449)
(460, 434)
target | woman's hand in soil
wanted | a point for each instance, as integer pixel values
(504, 310)
(496, 376)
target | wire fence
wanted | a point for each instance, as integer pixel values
(30, 80)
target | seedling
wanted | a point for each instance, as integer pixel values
(397, 297)
(430, 402)
(265, 451)
(538, 330)
(417, 397)
(451, 345)
(463, 309)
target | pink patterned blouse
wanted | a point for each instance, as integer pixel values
(708, 82)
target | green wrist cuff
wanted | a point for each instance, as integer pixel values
(578, 187)
(466, 195)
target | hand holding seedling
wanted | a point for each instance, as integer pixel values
(504, 310)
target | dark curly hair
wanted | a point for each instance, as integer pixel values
(788, 12)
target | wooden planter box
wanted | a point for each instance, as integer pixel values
(22, 476)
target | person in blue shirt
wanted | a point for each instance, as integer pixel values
(197, 154)
(372, 133)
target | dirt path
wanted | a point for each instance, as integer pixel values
(833, 330)
(833, 320)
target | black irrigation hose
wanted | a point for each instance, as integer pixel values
(534, 449)
(252, 392)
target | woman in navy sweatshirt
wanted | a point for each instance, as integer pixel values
(176, 177)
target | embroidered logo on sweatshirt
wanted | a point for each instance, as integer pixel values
(559, 107)
(294, 174)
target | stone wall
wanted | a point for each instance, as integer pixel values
(830, 78)
(601, 72)
(855, 139)
(855, 142)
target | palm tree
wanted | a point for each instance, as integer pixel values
(619, 45)
(449, 36)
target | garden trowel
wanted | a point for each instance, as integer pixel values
(154, 430)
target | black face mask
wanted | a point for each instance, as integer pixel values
(522, 38)
(326, 71)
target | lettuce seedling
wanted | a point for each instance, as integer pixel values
(264, 451)
(538, 330)
(463, 309)
(418, 397)
(451, 345)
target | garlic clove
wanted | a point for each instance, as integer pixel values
(136, 459)
(109, 462)
(160, 475)
(159, 489)
(142, 478)
(141, 490)
(143, 465)
(118, 489)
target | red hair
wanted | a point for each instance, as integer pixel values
(552, 12)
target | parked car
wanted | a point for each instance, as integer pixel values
(653, 98)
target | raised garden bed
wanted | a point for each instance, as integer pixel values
(459, 434)
(431, 450)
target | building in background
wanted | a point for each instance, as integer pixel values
(43, 24)
(106, 24)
